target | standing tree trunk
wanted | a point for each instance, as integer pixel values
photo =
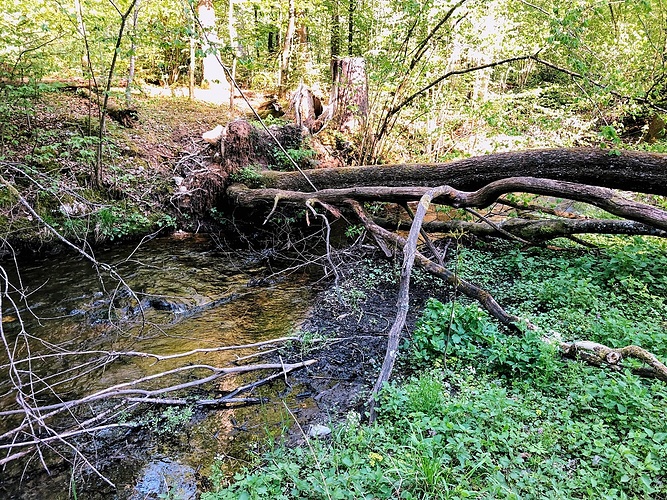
(335, 40)
(97, 173)
(81, 28)
(349, 97)
(214, 73)
(351, 7)
(234, 46)
(133, 56)
(287, 49)
(192, 66)
(86, 65)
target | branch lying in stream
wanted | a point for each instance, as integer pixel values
(46, 426)
(127, 390)
(157, 357)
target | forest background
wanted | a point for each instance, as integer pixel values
(443, 81)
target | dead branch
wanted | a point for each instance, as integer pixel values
(601, 197)
(424, 235)
(599, 355)
(157, 357)
(590, 352)
(403, 300)
(482, 296)
(131, 395)
(535, 231)
(534, 207)
(127, 389)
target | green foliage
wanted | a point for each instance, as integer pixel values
(168, 422)
(458, 334)
(354, 231)
(584, 433)
(505, 418)
(582, 295)
(116, 222)
(298, 156)
(50, 153)
(451, 326)
(250, 176)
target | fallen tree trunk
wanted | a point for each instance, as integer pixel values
(630, 171)
(592, 176)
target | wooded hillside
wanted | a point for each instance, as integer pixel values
(513, 151)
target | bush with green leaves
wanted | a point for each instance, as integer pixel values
(286, 161)
(458, 334)
(116, 222)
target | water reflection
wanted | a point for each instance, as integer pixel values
(181, 294)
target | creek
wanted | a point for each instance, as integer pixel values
(194, 295)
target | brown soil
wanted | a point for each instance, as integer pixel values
(48, 141)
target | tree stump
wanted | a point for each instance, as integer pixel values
(307, 108)
(349, 97)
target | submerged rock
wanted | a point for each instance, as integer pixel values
(166, 479)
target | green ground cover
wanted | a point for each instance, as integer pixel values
(483, 413)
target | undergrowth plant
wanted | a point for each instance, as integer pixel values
(492, 413)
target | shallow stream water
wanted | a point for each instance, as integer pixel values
(193, 295)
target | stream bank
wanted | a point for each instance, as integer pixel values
(344, 327)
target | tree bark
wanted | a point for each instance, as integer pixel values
(629, 170)
(604, 198)
(535, 231)
(234, 46)
(133, 56)
(307, 108)
(349, 97)
(287, 48)
(335, 39)
(589, 175)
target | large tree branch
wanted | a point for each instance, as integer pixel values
(604, 198)
(468, 289)
(403, 300)
(599, 355)
(535, 231)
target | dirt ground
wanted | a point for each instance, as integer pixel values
(346, 331)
